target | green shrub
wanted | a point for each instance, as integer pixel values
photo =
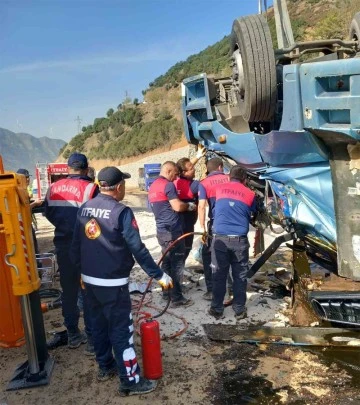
(144, 138)
(298, 26)
(211, 60)
(333, 25)
(66, 154)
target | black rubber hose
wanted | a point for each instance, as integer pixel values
(185, 235)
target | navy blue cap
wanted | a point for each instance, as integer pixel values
(78, 161)
(111, 175)
(24, 172)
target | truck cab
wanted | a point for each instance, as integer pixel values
(292, 122)
(46, 174)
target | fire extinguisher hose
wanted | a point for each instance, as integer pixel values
(145, 315)
(174, 243)
(148, 315)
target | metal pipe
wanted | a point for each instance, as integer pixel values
(269, 251)
(318, 43)
(284, 33)
(29, 335)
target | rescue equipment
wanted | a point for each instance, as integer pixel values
(20, 260)
(150, 329)
(151, 349)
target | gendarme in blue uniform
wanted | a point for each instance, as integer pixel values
(62, 203)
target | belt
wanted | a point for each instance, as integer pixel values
(105, 282)
(231, 237)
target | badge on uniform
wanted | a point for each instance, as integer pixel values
(92, 229)
(134, 224)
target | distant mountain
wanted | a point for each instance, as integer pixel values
(24, 150)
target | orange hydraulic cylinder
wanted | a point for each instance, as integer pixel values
(15, 224)
(18, 271)
(11, 327)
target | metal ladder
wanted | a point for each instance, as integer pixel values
(42, 170)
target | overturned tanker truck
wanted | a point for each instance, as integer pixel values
(293, 122)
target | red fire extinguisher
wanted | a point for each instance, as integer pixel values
(151, 350)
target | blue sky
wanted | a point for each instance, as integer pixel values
(61, 59)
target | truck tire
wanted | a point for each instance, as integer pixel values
(254, 70)
(354, 32)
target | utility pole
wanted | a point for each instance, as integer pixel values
(260, 6)
(78, 120)
(18, 123)
(127, 98)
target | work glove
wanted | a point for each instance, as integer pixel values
(166, 281)
(201, 151)
(191, 206)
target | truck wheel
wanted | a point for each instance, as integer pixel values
(254, 70)
(354, 32)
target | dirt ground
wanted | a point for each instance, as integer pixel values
(197, 370)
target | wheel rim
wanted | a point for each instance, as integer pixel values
(238, 72)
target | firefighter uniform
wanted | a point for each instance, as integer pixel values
(187, 191)
(62, 202)
(106, 240)
(168, 229)
(230, 246)
(207, 191)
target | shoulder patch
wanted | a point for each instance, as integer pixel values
(134, 224)
(92, 229)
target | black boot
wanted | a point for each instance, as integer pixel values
(58, 339)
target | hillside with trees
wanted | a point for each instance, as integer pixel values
(135, 128)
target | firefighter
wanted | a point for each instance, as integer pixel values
(235, 204)
(207, 191)
(166, 207)
(188, 189)
(62, 202)
(106, 240)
